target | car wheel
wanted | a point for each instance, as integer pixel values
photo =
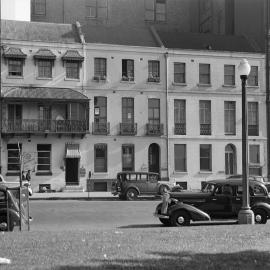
(3, 222)
(132, 194)
(180, 218)
(260, 216)
(163, 189)
(165, 221)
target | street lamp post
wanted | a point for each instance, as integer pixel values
(245, 215)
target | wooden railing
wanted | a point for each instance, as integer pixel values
(46, 126)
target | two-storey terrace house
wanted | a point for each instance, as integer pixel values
(45, 114)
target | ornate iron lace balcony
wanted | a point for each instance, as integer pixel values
(44, 126)
(128, 128)
(180, 128)
(154, 129)
(205, 129)
(101, 128)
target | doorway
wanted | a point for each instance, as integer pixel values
(230, 159)
(72, 171)
(154, 158)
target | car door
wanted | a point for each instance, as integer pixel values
(152, 185)
(141, 182)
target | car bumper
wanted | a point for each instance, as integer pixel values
(161, 216)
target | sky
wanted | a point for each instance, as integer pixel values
(15, 10)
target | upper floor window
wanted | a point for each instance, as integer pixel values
(154, 111)
(45, 68)
(39, 7)
(253, 76)
(100, 69)
(204, 74)
(229, 75)
(153, 71)
(253, 119)
(155, 10)
(179, 72)
(229, 117)
(15, 67)
(127, 70)
(179, 117)
(205, 117)
(97, 9)
(72, 69)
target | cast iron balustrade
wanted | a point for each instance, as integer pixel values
(180, 129)
(253, 130)
(101, 128)
(205, 129)
(44, 126)
(128, 128)
(154, 129)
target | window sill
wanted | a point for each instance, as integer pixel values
(180, 172)
(43, 173)
(71, 79)
(99, 81)
(230, 134)
(253, 86)
(128, 82)
(155, 83)
(179, 84)
(204, 85)
(205, 172)
(229, 86)
(14, 77)
(44, 78)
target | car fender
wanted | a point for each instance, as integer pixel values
(261, 205)
(132, 186)
(195, 213)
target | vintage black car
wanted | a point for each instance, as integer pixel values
(219, 199)
(129, 185)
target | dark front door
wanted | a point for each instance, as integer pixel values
(153, 158)
(72, 171)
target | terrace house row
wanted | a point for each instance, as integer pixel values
(103, 101)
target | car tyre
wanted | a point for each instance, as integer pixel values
(132, 194)
(260, 216)
(165, 221)
(163, 189)
(180, 218)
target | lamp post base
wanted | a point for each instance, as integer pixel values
(246, 216)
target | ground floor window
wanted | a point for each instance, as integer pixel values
(180, 164)
(13, 151)
(205, 157)
(44, 157)
(128, 157)
(100, 157)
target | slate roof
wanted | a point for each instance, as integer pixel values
(14, 53)
(42, 93)
(72, 55)
(201, 41)
(119, 35)
(39, 31)
(44, 54)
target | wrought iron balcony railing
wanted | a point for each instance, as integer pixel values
(44, 126)
(154, 129)
(253, 130)
(128, 128)
(101, 128)
(205, 129)
(180, 128)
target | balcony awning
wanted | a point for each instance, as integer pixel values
(73, 150)
(29, 94)
(45, 54)
(72, 55)
(14, 53)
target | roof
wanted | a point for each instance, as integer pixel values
(44, 54)
(45, 93)
(14, 53)
(201, 41)
(119, 35)
(39, 31)
(72, 55)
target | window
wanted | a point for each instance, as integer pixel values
(44, 157)
(155, 10)
(205, 157)
(100, 110)
(153, 71)
(97, 9)
(154, 111)
(229, 118)
(13, 151)
(39, 7)
(253, 119)
(100, 157)
(205, 117)
(204, 74)
(15, 67)
(179, 72)
(72, 69)
(128, 157)
(180, 158)
(45, 68)
(253, 76)
(229, 75)
(180, 116)
(254, 160)
(100, 68)
(127, 70)
(128, 110)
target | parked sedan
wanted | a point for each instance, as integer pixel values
(219, 199)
